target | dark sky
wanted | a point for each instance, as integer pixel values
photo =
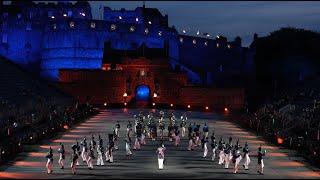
(230, 19)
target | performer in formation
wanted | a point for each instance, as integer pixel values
(246, 156)
(227, 152)
(261, 153)
(74, 158)
(49, 164)
(84, 152)
(160, 153)
(62, 156)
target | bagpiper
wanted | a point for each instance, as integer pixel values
(49, 164)
(100, 152)
(62, 156)
(246, 151)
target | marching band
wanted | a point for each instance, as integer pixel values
(227, 152)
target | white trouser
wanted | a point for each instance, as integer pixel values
(246, 161)
(183, 132)
(221, 157)
(227, 160)
(213, 154)
(136, 144)
(143, 139)
(160, 163)
(177, 140)
(61, 161)
(100, 160)
(205, 150)
(128, 151)
(84, 154)
(236, 164)
(117, 132)
(49, 166)
(73, 167)
(89, 162)
(109, 156)
(190, 145)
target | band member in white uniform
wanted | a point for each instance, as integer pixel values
(214, 147)
(128, 146)
(221, 148)
(100, 152)
(62, 156)
(160, 154)
(78, 151)
(246, 151)
(49, 164)
(90, 157)
(84, 153)
(205, 141)
(183, 125)
(115, 139)
(117, 129)
(236, 160)
(143, 135)
(227, 156)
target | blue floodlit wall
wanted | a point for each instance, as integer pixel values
(45, 45)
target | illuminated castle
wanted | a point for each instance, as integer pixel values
(47, 37)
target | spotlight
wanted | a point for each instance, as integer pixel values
(31, 137)
(225, 109)
(207, 107)
(125, 94)
(189, 106)
(155, 95)
(65, 15)
(52, 17)
(153, 104)
(171, 105)
(105, 104)
(125, 104)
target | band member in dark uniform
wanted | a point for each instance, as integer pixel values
(261, 153)
(205, 130)
(221, 148)
(49, 164)
(109, 152)
(117, 129)
(62, 157)
(74, 159)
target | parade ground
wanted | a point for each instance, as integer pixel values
(179, 163)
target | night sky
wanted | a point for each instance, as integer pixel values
(231, 19)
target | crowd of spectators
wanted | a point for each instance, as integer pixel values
(291, 120)
(35, 121)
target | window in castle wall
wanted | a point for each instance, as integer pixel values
(113, 27)
(28, 27)
(71, 24)
(93, 25)
(50, 14)
(69, 13)
(5, 38)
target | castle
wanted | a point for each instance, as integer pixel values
(52, 38)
